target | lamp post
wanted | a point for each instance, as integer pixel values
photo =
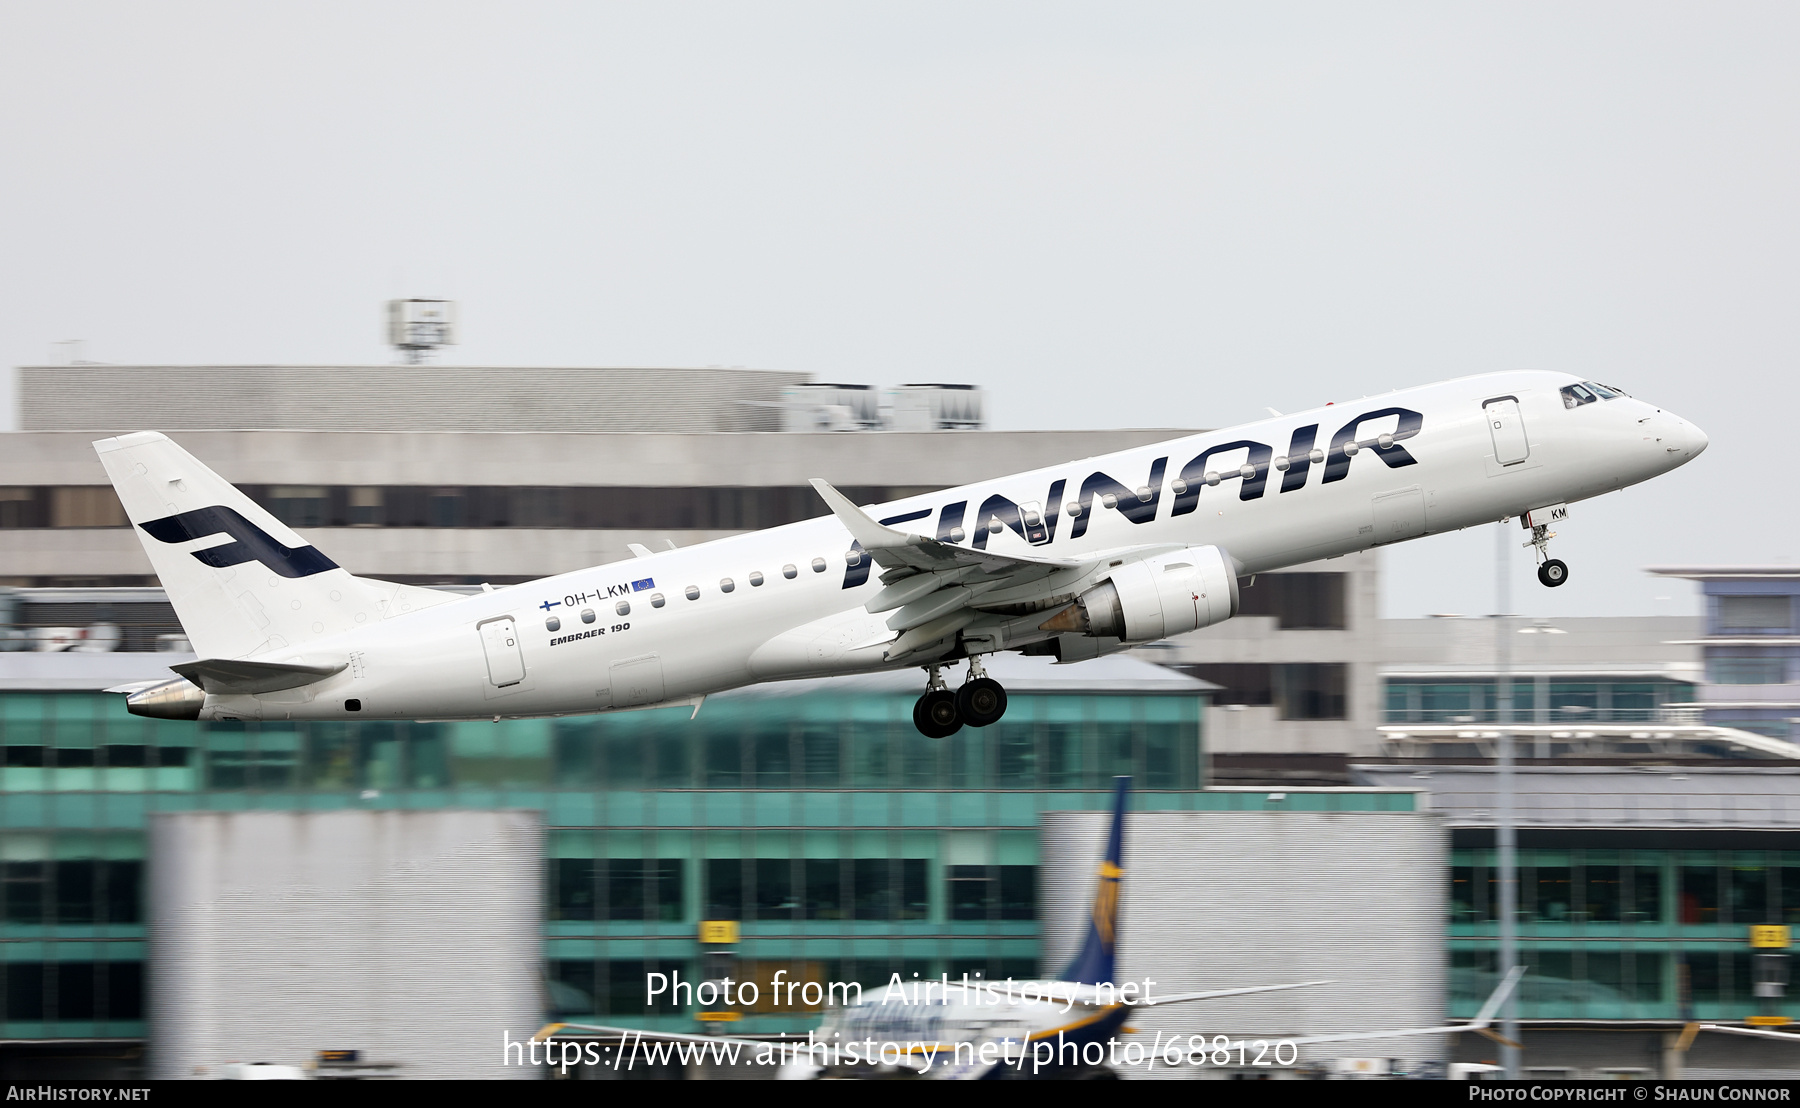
(1504, 836)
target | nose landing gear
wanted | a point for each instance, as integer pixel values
(941, 713)
(1551, 571)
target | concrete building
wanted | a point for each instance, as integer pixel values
(1342, 886)
(405, 937)
(1638, 889)
(87, 397)
(1752, 651)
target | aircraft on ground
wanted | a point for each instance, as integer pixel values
(982, 1030)
(1074, 561)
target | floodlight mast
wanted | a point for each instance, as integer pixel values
(417, 328)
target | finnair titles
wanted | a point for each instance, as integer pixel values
(1071, 561)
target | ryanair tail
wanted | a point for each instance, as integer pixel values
(240, 581)
(1096, 962)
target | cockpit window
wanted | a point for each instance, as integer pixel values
(1607, 392)
(1574, 396)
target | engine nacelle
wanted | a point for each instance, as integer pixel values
(1157, 597)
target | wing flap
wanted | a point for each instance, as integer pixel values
(936, 586)
(238, 677)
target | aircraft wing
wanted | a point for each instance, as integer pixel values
(1753, 1032)
(638, 1035)
(1480, 1023)
(934, 588)
(1183, 998)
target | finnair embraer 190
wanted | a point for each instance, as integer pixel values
(1073, 561)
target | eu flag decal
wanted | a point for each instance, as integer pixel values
(646, 583)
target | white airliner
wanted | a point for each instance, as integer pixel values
(1073, 561)
(978, 1030)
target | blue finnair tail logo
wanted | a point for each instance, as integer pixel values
(252, 543)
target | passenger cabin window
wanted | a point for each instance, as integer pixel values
(1574, 396)
(788, 571)
(623, 608)
(656, 600)
(726, 584)
(818, 565)
(552, 624)
(756, 579)
(587, 615)
(692, 593)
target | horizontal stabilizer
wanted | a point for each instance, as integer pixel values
(235, 677)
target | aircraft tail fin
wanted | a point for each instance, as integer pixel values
(240, 581)
(1097, 960)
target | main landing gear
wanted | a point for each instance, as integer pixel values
(1551, 571)
(941, 713)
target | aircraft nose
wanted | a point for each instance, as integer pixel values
(1675, 439)
(1690, 439)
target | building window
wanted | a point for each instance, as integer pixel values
(1246, 683)
(444, 508)
(1314, 601)
(855, 888)
(85, 506)
(365, 507)
(299, 505)
(615, 889)
(614, 987)
(992, 892)
(20, 507)
(1699, 894)
(1308, 690)
(1733, 668)
(1598, 700)
(1755, 613)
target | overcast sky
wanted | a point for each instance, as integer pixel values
(1107, 214)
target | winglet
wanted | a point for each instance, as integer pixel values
(1486, 1015)
(872, 535)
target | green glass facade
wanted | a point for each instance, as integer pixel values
(847, 845)
(1568, 700)
(1622, 933)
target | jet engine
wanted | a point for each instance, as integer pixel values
(1156, 597)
